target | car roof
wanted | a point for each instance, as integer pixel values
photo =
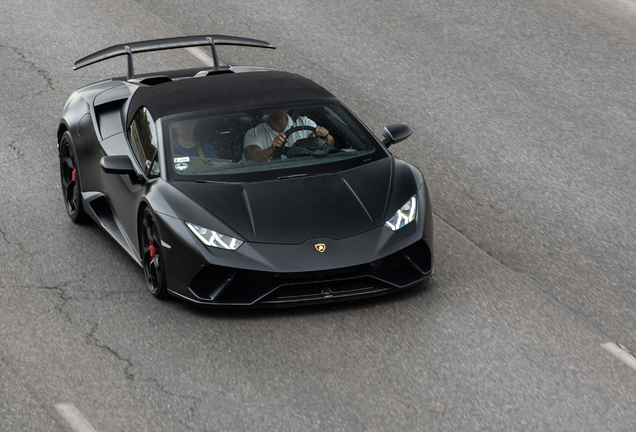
(226, 90)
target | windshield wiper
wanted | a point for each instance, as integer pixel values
(213, 181)
(291, 176)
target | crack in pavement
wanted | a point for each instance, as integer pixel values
(18, 150)
(41, 72)
(64, 296)
(92, 339)
(4, 235)
(62, 290)
(67, 294)
(195, 400)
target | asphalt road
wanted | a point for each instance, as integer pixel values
(523, 120)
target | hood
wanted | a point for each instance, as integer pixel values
(290, 211)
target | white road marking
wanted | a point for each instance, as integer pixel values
(74, 418)
(623, 355)
(202, 56)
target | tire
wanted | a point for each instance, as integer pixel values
(71, 189)
(152, 255)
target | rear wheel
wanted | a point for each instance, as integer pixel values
(152, 256)
(69, 177)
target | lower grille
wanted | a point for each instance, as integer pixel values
(235, 286)
(325, 291)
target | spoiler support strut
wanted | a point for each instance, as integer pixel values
(131, 68)
(215, 56)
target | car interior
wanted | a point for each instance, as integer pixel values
(226, 133)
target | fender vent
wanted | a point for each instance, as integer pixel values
(109, 118)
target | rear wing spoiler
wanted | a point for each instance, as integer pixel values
(164, 44)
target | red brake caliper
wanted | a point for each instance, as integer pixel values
(73, 175)
(152, 250)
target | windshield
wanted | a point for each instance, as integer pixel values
(243, 145)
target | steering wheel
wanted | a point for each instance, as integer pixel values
(290, 131)
(298, 128)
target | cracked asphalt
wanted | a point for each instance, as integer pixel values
(523, 126)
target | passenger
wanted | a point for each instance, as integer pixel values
(185, 142)
(261, 142)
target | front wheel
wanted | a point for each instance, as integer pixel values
(152, 256)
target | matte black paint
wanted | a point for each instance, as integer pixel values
(286, 218)
(250, 88)
(293, 210)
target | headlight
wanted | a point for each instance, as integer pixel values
(403, 216)
(213, 238)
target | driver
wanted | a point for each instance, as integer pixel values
(261, 142)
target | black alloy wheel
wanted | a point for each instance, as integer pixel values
(69, 176)
(151, 252)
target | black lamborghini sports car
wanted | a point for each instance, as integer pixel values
(161, 162)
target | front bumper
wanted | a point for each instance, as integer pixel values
(376, 262)
(239, 287)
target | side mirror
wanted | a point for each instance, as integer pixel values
(121, 165)
(395, 133)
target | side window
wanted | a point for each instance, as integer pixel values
(143, 139)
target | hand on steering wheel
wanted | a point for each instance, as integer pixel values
(284, 136)
(279, 141)
(320, 132)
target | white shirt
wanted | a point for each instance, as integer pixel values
(263, 135)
